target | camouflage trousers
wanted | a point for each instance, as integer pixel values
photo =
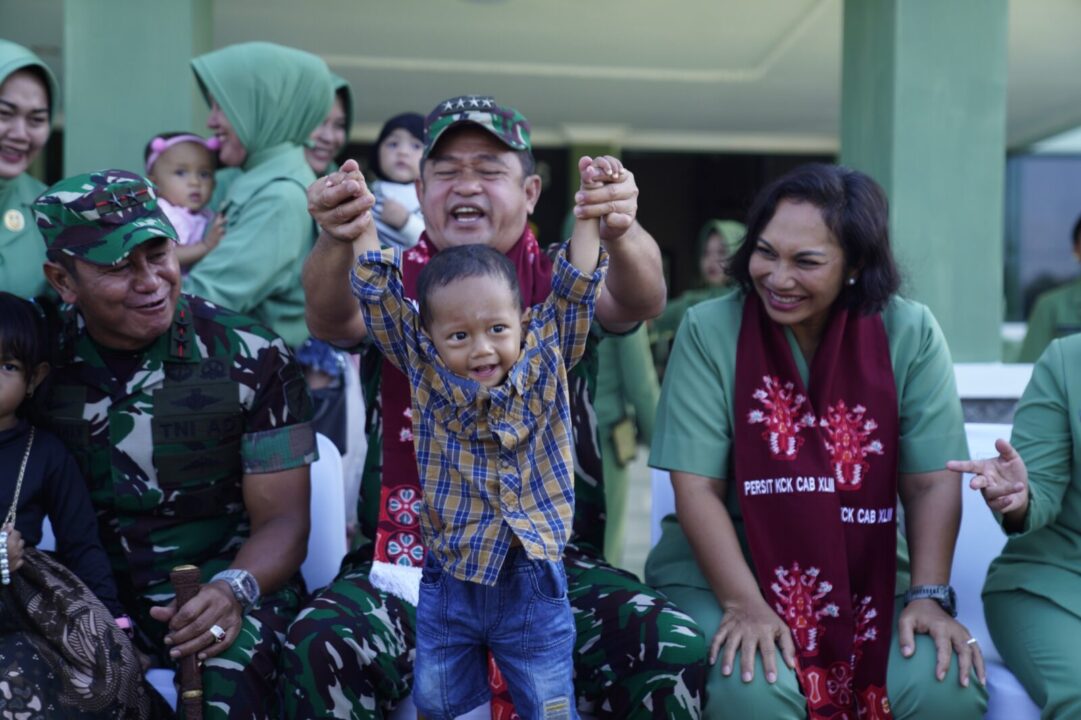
(241, 683)
(349, 653)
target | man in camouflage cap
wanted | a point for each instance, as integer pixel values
(190, 423)
(350, 650)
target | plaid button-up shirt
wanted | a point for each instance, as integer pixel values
(493, 463)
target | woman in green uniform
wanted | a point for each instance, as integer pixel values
(793, 415)
(1032, 596)
(28, 97)
(1057, 312)
(717, 240)
(625, 403)
(265, 101)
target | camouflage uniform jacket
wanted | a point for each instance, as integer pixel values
(214, 399)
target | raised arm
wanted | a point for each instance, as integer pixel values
(586, 240)
(340, 203)
(634, 288)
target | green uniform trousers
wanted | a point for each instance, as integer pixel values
(241, 683)
(349, 654)
(913, 690)
(1040, 643)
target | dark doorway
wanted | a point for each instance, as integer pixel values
(679, 192)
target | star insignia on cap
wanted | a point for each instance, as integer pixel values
(474, 102)
(448, 105)
(133, 194)
(486, 102)
(461, 103)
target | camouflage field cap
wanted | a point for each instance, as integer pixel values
(101, 216)
(503, 121)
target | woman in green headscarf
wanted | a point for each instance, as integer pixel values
(28, 97)
(330, 136)
(717, 241)
(265, 100)
(323, 145)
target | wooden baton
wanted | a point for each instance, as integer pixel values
(185, 580)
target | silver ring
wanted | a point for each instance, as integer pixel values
(971, 641)
(217, 632)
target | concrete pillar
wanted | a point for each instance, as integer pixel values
(127, 77)
(923, 111)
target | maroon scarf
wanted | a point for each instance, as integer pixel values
(397, 539)
(816, 474)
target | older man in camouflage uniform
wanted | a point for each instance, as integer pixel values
(349, 654)
(190, 423)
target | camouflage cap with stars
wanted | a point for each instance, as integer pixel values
(100, 217)
(508, 125)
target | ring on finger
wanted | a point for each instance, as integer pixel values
(972, 641)
(218, 632)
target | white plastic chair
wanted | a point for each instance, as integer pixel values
(326, 541)
(663, 502)
(979, 541)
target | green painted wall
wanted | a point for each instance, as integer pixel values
(923, 111)
(127, 77)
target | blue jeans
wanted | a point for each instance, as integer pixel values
(525, 619)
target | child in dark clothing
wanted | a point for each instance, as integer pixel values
(52, 485)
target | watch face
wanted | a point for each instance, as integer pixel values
(251, 587)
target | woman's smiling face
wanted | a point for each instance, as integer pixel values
(24, 121)
(798, 268)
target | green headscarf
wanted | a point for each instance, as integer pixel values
(271, 94)
(341, 87)
(731, 231)
(15, 57)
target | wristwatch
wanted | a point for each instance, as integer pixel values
(944, 595)
(243, 584)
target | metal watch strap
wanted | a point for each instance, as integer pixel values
(243, 584)
(944, 595)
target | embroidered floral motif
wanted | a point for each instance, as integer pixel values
(414, 254)
(782, 417)
(404, 506)
(848, 440)
(404, 548)
(874, 704)
(800, 595)
(839, 684)
(406, 433)
(865, 624)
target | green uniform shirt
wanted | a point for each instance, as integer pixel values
(1045, 557)
(694, 425)
(268, 233)
(1057, 314)
(22, 251)
(214, 399)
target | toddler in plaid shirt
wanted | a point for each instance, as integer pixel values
(492, 430)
